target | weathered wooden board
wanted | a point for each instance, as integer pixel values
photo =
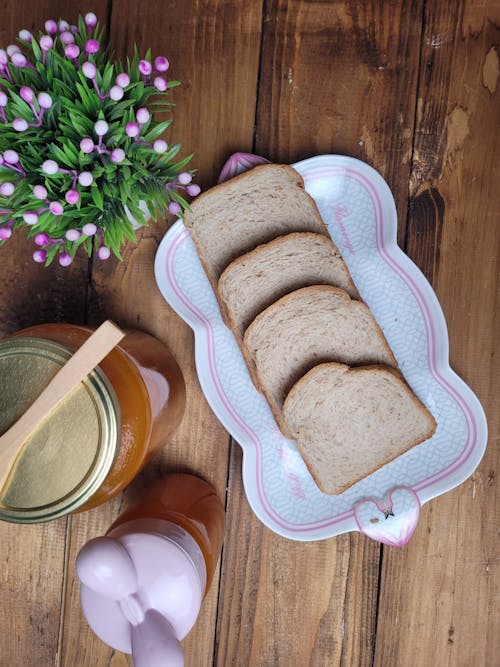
(31, 584)
(335, 78)
(214, 113)
(438, 599)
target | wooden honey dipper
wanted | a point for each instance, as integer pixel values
(74, 371)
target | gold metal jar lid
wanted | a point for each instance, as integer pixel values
(66, 459)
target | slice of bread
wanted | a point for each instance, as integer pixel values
(305, 328)
(252, 208)
(257, 279)
(348, 422)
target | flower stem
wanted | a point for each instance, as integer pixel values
(101, 97)
(39, 118)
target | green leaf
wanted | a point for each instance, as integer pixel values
(36, 49)
(51, 253)
(157, 131)
(107, 77)
(97, 196)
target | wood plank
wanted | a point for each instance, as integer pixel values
(31, 583)
(292, 603)
(439, 595)
(214, 115)
(335, 77)
(341, 77)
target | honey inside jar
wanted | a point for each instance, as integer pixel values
(189, 502)
(148, 394)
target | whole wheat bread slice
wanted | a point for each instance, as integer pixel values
(348, 422)
(252, 208)
(257, 279)
(305, 328)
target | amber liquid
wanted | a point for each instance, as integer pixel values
(151, 393)
(187, 501)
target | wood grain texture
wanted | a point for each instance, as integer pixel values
(340, 77)
(200, 40)
(412, 88)
(335, 77)
(291, 603)
(439, 601)
(32, 583)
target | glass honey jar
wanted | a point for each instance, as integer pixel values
(142, 584)
(93, 445)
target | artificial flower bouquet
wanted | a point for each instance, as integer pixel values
(81, 154)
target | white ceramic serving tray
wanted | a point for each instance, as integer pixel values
(358, 208)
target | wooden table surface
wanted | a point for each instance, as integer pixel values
(411, 88)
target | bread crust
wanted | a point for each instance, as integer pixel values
(219, 190)
(279, 240)
(221, 187)
(254, 372)
(361, 369)
(215, 280)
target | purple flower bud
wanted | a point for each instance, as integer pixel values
(46, 42)
(122, 80)
(67, 37)
(7, 189)
(19, 60)
(72, 51)
(132, 129)
(104, 252)
(41, 239)
(145, 67)
(25, 35)
(174, 208)
(160, 146)
(11, 156)
(193, 190)
(65, 259)
(74, 29)
(56, 208)
(90, 20)
(89, 70)
(142, 115)
(118, 155)
(19, 124)
(116, 93)
(92, 46)
(51, 27)
(72, 234)
(40, 192)
(72, 197)
(184, 178)
(101, 128)
(63, 25)
(5, 233)
(50, 167)
(85, 178)
(89, 229)
(27, 93)
(160, 84)
(39, 256)
(87, 145)
(161, 64)
(30, 217)
(12, 49)
(3, 99)
(45, 100)
(3, 57)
